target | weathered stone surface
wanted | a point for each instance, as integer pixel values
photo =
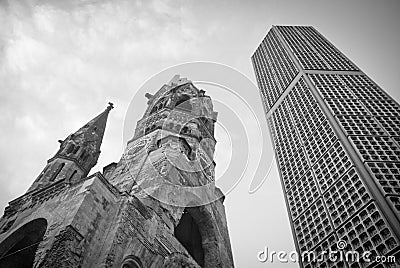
(178, 260)
(157, 207)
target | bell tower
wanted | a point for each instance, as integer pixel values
(168, 166)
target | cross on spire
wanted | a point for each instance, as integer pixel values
(110, 106)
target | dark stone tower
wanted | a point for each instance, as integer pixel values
(77, 155)
(157, 207)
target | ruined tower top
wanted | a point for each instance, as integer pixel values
(182, 109)
(174, 142)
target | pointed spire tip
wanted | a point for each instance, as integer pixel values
(110, 106)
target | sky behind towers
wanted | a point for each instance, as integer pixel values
(62, 61)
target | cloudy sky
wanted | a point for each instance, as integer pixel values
(62, 61)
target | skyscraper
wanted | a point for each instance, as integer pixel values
(336, 136)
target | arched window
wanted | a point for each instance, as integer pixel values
(76, 149)
(72, 175)
(60, 167)
(188, 234)
(82, 154)
(131, 262)
(185, 130)
(18, 250)
(70, 148)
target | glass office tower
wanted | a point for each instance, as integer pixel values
(336, 136)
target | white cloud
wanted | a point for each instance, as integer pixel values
(61, 61)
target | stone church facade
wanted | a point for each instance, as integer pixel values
(157, 207)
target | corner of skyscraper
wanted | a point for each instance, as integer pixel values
(336, 136)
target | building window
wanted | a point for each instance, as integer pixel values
(76, 149)
(131, 262)
(72, 175)
(188, 234)
(70, 148)
(82, 154)
(185, 130)
(60, 167)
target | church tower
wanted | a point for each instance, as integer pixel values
(157, 207)
(78, 153)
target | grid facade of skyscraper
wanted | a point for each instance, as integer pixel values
(336, 136)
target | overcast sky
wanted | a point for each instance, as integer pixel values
(62, 61)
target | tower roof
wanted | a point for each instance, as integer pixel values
(83, 146)
(91, 134)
